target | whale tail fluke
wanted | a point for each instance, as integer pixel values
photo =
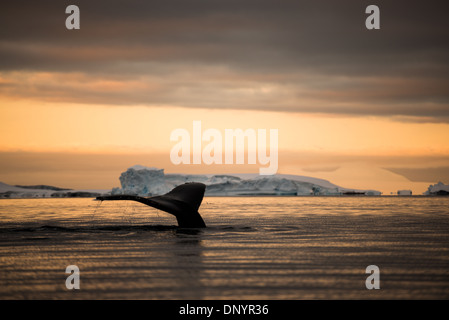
(190, 193)
(183, 202)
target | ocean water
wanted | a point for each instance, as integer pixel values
(253, 248)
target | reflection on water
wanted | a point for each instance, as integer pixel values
(253, 248)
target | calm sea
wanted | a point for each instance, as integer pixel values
(253, 248)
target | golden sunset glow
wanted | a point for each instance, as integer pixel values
(345, 150)
(70, 100)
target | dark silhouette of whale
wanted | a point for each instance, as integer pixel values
(183, 202)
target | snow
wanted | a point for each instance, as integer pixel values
(148, 181)
(139, 167)
(439, 188)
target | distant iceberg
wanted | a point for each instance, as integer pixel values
(438, 189)
(43, 191)
(146, 181)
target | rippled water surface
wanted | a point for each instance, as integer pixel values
(253, 248)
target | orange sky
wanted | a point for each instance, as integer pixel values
(345, 150)
(362, 108)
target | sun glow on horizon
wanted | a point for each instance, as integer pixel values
(44, 127)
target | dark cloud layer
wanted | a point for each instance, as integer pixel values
(424, 174)
(307, 56)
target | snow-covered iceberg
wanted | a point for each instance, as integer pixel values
(438, 189)
(145, 181)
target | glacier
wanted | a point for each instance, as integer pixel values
(150, 181)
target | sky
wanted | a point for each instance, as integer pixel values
(361, 108)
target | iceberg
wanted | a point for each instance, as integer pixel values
(438, 189)
(404, 192)
(148, 181)
(43, 191)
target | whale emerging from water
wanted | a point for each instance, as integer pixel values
(183, 202)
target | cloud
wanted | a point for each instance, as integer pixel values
(423, 174)
(291, 56)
